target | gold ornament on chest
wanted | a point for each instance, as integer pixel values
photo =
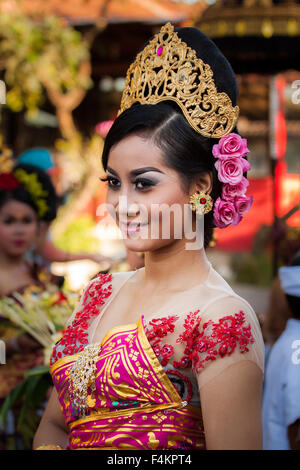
(82, 375)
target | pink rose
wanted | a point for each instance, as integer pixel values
(230, 171)
(229, 191)
(246, 165)
(225, 213)
(230, 146)
(103, 127)
(243, 204)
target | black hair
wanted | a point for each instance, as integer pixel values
(293, 301)
(183, 148)
(45, 181)
(18, 194)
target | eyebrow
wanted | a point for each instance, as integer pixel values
(138, 171)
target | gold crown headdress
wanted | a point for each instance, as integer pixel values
(168, 69)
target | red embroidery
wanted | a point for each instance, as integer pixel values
(76, 332)
(166, 352)
(191, 326)
(215, 339)
(161, 327)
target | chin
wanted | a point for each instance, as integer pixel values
(17, 251)
(145, 245)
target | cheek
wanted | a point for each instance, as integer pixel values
(169, 194)
(6, 231)
(171, 202)
(31, 230)
(111, 204)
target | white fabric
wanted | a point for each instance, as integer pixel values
(290, 280)
(281, 396)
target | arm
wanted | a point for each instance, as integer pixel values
(52, 428)
(291, 404)
(53, 254)
(231, 407)
(228, 358)
(294, 435)
(276, 315)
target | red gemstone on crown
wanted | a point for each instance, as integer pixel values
(203, 200)
(159, 50)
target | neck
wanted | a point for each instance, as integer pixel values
(7, 260)
(175, 266)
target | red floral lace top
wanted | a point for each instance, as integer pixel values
(192, 347)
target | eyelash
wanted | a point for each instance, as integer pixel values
(115, 188)
(25, 221)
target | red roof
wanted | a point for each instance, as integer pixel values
(88, 11)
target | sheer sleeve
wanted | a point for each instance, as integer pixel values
(228, 332)
(76, 332)
(82, 298)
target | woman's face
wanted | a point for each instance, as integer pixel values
(137, 175)
(18, 227)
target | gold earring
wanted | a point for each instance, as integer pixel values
(201, 203)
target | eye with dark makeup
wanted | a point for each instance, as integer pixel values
(9, 220)
(147, 183)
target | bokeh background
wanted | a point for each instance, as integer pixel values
(64, 66)
(62, 72)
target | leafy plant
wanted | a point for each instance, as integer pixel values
(37, 55)
(252, 268)
(79, 236)
(30, 395)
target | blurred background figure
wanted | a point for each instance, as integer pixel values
(26, 199)
(281, 404)
(39, 157)
(278, 312)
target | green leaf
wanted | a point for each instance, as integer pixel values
(11, 400)
(38, 370)
(31, 384)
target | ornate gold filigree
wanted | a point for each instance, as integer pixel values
(201, 203)
(49, 447)
(82, 376)
(168, 69)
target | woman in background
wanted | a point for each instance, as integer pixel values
(26, 198)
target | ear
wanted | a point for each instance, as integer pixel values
(203, 183)
(42, 229)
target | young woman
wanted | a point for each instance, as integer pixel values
(167, 356)
(24, 203)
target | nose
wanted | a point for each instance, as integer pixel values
(127, 208)
(19, 228)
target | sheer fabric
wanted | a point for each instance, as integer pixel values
(195, 335)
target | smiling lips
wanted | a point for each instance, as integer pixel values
(130, 227)
(19, 242)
